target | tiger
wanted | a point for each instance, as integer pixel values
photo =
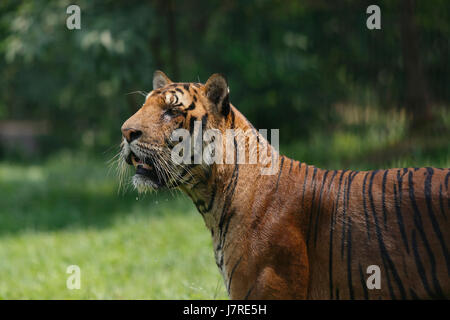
(303, 232)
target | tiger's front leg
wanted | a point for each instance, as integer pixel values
(273, 286)
(279, 270)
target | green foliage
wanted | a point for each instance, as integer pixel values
(288, 63)
(368, 139)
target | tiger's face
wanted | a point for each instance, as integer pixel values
(147, 143)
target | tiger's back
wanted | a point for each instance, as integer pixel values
(394, 219)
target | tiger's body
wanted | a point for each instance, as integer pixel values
(304, 232)
(312, 234)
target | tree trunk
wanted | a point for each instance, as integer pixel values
(416, 94)
(173, 48)
(166, 10)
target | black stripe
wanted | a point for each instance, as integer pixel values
(249, 292)
(363, 283)
(351, 176)
(220, 245)
(227, 224)
(211, 200)
(290, 167)
(419, 265)
(191, 124)
(441, 203)
(387, 261)
(232, 250)
(191, 107)
(343, 211)
(379, 236)
(319, 205)
(313, 180)
(345, 205)
(186, 86)
(383, 198)
(332, 222)
(434, 222)
(225, 108)
(204, 120)
(279, 173)
(349, 258)
(400, 196)
(420, 228)
(231, 275)
(304, 186)
(186, 171)
(446, 186)
(228, 197)
(398, 211)
(200, 205)
(366, 214)
(232, 119)
(331, 181)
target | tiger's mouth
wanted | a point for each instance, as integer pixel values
(146, 172)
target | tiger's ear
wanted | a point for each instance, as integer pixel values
(216, 90)
(160, 80)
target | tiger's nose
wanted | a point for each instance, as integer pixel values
(131, 134)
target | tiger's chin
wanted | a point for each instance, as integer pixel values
(146, 177)
(144, 184)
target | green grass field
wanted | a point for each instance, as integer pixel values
(67, 211)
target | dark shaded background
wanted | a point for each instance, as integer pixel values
(288, 63)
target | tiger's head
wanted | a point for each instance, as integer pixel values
(147, 143)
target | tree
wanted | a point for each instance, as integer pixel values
(416, 92)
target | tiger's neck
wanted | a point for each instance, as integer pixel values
(213, 190)
(222, 196)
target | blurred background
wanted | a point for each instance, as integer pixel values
(342, 96)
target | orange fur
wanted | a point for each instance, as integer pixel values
(305, 233)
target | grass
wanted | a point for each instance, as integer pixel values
(67, 211)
